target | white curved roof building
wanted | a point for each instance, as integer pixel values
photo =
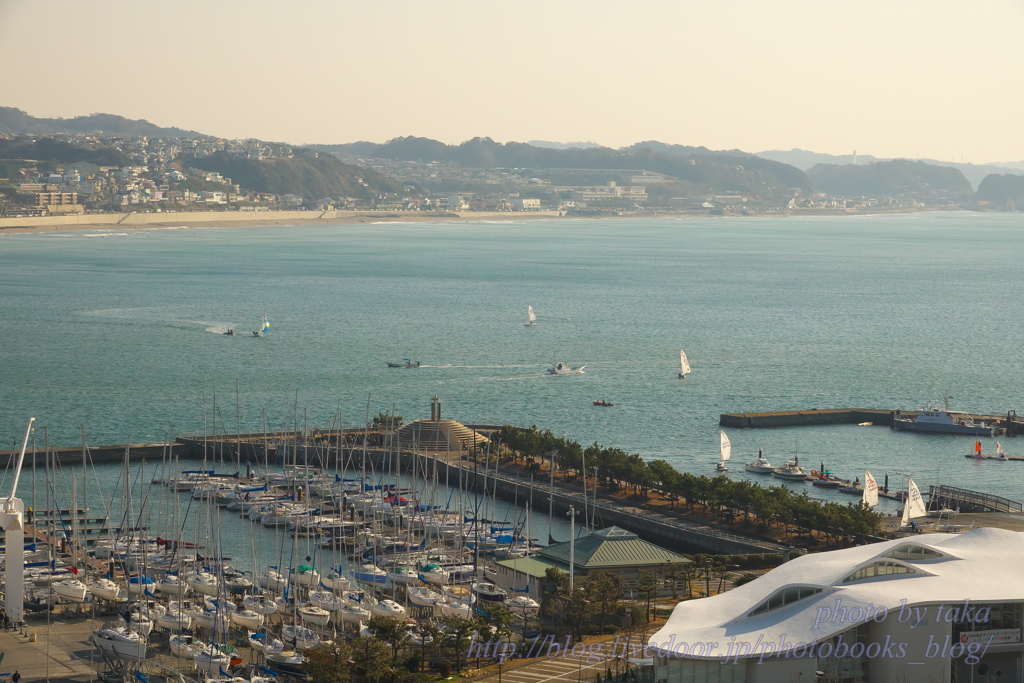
(929, 608)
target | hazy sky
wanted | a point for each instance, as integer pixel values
(935, 78)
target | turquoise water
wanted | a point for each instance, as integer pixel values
(121, 333)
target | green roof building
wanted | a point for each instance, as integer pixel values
(614, 550)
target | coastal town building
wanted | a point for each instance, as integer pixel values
(934, 607)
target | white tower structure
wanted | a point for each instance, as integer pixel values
(12, 520)
(855, 157)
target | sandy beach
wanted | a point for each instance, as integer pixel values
(240, 219)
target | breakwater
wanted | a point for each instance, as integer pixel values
(1009, 423)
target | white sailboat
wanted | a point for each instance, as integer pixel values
(913, 505)
(531, 319)
(684, 365)
(725, 450)
(870, 490)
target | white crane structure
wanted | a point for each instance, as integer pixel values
(12, 519)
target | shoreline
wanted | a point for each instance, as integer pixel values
(242, 219)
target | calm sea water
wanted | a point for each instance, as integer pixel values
(121, 332)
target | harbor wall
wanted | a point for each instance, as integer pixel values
(815, 416)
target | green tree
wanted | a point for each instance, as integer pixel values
(647, 590)
(457, 631)
(390, 631)
(329, 664)
(604, 590)
(371, 659)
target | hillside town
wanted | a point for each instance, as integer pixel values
(168, 174)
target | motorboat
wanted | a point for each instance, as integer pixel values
(791, 471)
(606, 404)
(944, 421)
(121, 643)
(406, 363)
(759, 466)
(230, 333)
(560, 368)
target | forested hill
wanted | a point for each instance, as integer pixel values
(896, 177)
(703, 168)
(307, 174)
(48, 149)
(16, 122)
(1005, 191)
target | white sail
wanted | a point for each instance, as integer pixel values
(684, 365)
(870, 490)
(531, 319)
(913, 505)
(726, 447)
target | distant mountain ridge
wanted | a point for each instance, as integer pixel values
(700, 168)
(16, 122)
(805, 159)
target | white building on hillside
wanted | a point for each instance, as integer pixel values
(932, 608)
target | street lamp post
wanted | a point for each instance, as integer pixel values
(572, 545)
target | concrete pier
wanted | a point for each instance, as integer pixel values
(1010, 423)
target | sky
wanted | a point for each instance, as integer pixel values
(891, 78)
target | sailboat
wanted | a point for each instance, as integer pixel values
(725, 449)
(913, 505)
(531, 319)
(684, 365)
(264, 328)
(870, 490)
